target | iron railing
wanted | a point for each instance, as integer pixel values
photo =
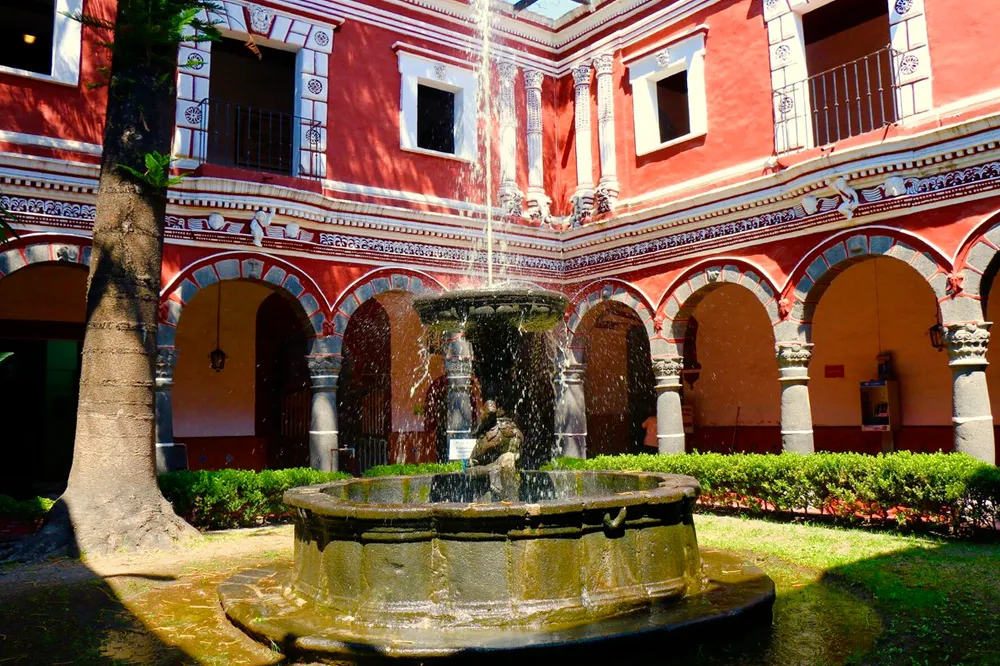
(371, 451)
(254, 138)
(854, 98)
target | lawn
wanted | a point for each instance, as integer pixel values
(844, 597)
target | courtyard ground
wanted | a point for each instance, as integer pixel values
(844, 596)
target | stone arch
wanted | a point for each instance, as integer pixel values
(684, 295)
(813, 275)
(603, 291)
(282, 275)
(976, 266)
(44, 248)
(368, 286)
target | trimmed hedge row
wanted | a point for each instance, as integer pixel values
(230, 498)
(414, 469)
(24, 511)
(908, 488)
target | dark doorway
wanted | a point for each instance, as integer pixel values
(365, 391)
(39, 390)
(283, 398)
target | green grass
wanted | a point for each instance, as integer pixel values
(937, 600)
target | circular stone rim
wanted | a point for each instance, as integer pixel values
(671, 488)
(746, 590)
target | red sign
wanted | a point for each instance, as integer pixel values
(833, 371)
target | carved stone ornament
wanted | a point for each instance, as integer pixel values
(713, 274)
(793, 355)
(953, 284)
(260, 19)
(533, 78)
(784, 308)
(967, 342)
(292, 230)
(663, 58)
(67, 253)
(668, 367)
(506, 71)
(440, 71)
(810, 204)
(894, 187)
(323, 364)
(166, 359)
(603, 64)
(216, 222)
(581, 75)
(848, 198)
(604, 200)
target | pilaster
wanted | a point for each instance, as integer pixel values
(607, 187)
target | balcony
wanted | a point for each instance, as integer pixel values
(257, 139)
(857, 97)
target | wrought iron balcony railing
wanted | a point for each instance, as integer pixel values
(254, 138)
(854, 98)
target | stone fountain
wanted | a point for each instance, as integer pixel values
(497, 559)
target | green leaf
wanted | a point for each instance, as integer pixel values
(5, 355)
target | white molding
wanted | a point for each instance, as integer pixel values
(50, 142)
(416, 70)
(687, 55)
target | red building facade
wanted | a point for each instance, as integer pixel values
(752, 205)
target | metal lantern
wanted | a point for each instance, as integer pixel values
(936, 333)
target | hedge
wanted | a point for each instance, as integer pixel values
(413, 470)
(229, 498)
(904, 487)
(24, 511)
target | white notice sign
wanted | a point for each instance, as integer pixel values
(460, 449)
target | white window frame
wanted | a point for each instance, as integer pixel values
(649, 68)
(417, 70)
(66, 39)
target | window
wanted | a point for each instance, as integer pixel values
(668, 93)
(27, 35)
(672, 106)
(40, 41)
(435, 119)
(251, 121)
(438, 112)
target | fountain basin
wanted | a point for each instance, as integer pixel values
(528, 309)
(431, 565)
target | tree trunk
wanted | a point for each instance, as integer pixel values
(112, 501)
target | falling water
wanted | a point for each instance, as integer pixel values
(484, 103)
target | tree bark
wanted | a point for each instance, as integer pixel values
(112, 501)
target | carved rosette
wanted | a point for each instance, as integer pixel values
(166, 360)
(967, 342)
(324, 370)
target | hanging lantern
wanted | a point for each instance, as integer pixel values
(217, 357)
(936, 333)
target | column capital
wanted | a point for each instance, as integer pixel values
(506, 71)
(604, 64)
(533, 79)
(166, 360)
(324, 370)
(793, 360)
(967, 342)
(581, 75)
(667, 372)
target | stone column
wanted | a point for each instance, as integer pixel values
(607, 188)
(324, 443)
(169, 456)
(510, 196)
(571, 406)
(458, 370)
(796, 412)
(970, 398)
(538, 203)
(583, 196)
(669, 415)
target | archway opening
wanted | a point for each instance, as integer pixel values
(991, 311)
(254, 413)
(618, 381)
(42, 314)
(731, 382)
(874, 310)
